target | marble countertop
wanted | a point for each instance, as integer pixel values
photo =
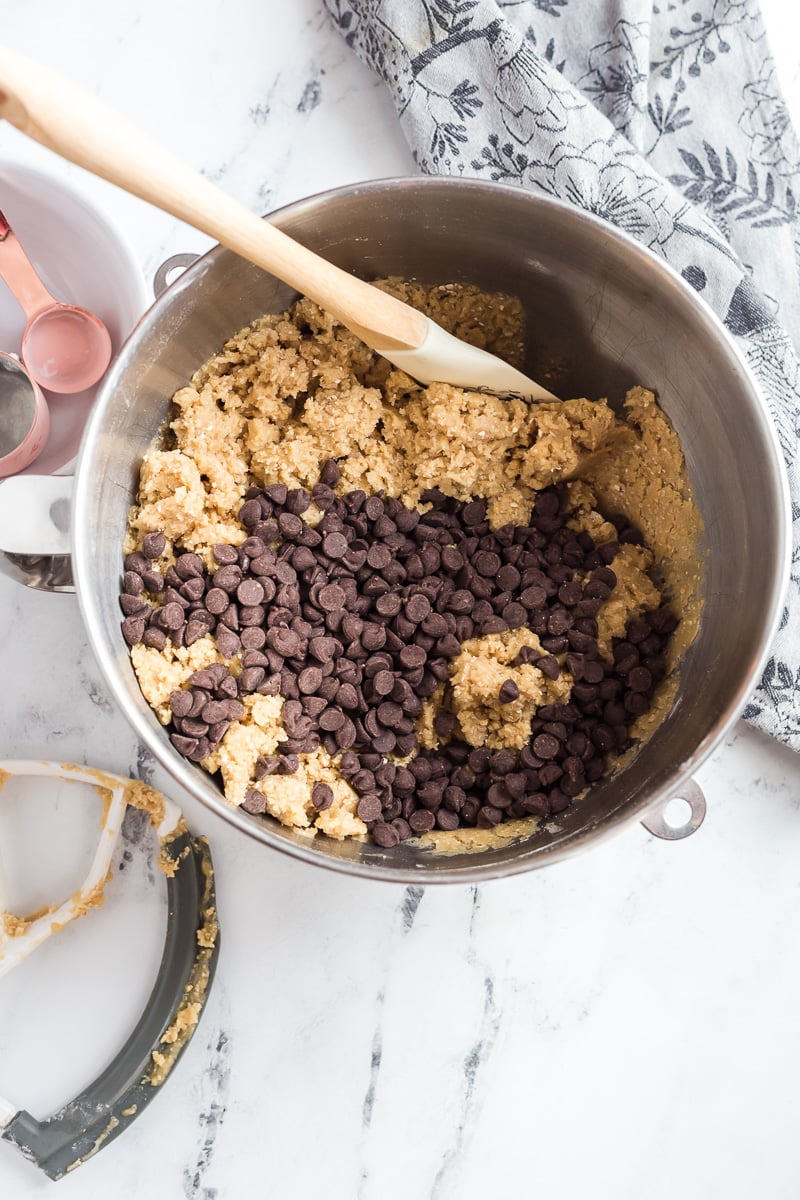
(621, 1025)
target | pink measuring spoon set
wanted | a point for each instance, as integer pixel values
(65, 349)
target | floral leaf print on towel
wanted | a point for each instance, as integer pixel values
(450, 16)
(750, 197)
(697, 38)
(551, 7)
(765, 122)
(670, 119)
(617, 79)
(613, 189)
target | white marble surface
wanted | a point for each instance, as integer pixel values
(623, 1025)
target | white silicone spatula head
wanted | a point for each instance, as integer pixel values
(69, 120)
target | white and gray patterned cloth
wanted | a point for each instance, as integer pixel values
(664, 118)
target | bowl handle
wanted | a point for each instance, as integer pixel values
(35, 531)
(691, 794)
(177, 262)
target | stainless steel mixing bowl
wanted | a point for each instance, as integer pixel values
(596, 302)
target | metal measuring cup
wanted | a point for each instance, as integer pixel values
(24, 416)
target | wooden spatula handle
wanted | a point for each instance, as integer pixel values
(64, 117)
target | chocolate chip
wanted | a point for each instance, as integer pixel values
(133, 585)
(323, 649)
(227, 578)
(214, 711)
(508, 692)
(417, 608)
(136, 563)
(251, 678)
(663, 621)
(331, 598)
(184, 745)
(194, 631)
(331, 718)
(153, 581)
(492, 625)
(412, 656)
(277, 493)
(224, 554)
(570, 593)
(284, 640)
(254, 548)
(487, 563)
(474, 513)
(422, 820)
(250, 592)
(549, 666)
(386, 835)
(133, 630)
(535, 804)
(154, 544)
(322, 796)
(347, 697)
(297, 501)
(289, 525)
(638, 631)
(335, 545)
(369, 808)
(250, 513)
(265, 765)
(194, 588)
(545, 745)
(217, 600)
(227, 641)
(515, 615)
(639, 679)
(201, 750)
(330, 473)
(155, 638)
(373, 637)
(345, 735)
(383, 683)
(181, 703)
(217, 731)
(558, 801)
(593, 672)
(134, 606)
(309, 680)
(597, 589)
(188, 566)
(254, 800)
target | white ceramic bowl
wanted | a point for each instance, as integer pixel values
(83, 260)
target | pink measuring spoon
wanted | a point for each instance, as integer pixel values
(64, 347)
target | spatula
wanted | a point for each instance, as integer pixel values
(64, 117)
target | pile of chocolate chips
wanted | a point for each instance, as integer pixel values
(354, 623)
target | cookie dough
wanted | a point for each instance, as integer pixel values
(294, 390)
(476, 679)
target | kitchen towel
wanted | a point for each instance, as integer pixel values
(664, 118)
